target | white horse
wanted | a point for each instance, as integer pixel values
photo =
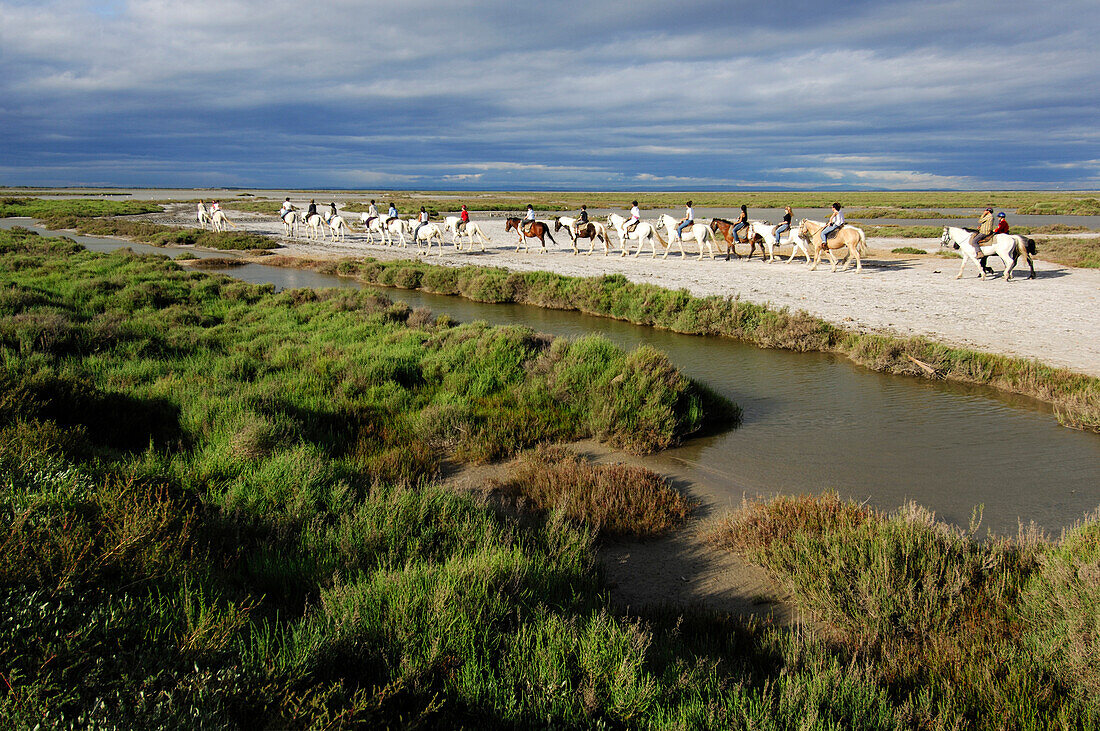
(338, 227)
(219, 222)
(599, 232)
(203, 216)
(470, 231)
(315, 227)
(773, 242)
(426, 234)
(376, 226)
(399, 228)
(1007, 246)
(644, 232)
(697, 232)
(290, 223)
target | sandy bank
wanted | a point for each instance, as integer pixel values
(1053, 318)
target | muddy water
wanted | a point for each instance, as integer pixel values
(815, 422)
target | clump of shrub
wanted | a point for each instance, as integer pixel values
(907, 250)
(616, 501)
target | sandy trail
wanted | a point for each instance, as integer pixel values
(681, 569)
(1054, 318)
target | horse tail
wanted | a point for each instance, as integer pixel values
(862, 245)
(658, 235)
(550, 235)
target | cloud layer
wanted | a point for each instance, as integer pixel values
(493, 94)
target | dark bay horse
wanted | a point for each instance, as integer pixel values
(537, 230)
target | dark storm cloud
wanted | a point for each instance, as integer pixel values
(569, 94)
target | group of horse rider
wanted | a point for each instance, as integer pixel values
(311, 210)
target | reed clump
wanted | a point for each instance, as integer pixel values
(973, 622)
(615, 501)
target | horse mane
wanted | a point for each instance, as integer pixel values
(722, 220)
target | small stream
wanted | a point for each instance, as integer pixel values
(815, 422)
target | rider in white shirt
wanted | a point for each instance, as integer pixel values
(836, 221)
(530, 217)
(422, 221)
(287, 208)
(635, 217)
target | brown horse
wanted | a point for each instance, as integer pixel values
(592, 231)
(537, 230)
(847, 236)
(721, 225)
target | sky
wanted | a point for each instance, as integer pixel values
(569, 95)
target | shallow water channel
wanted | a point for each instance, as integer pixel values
(816, 422)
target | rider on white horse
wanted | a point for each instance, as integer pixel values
(785, 226)
(372, 213)
(688, 220)
(391, 214)
(633, 221)
(421, 222)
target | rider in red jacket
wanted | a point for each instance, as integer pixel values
(1002, 224)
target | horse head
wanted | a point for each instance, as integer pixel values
(946, 240)
(557, 224)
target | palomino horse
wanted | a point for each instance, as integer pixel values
(696, 232)
(754, 234)
(643, 232)
(538, 230)
(338, 226)
(203, 216)
(470, 231)
(591, 231)
(847, 236)
(315, 227)
(426, 234)
(290, 223)
(1010, 248)
(219, 222)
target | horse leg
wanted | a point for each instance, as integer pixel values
(1010, 267)
(832, 258)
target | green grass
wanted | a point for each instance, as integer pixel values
(907, 250)
(1076, 252)
(220, 513)
(1076, 397)
(991, 628)
(50, 208)
(890, 212)
(157, 234)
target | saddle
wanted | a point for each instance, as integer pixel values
(369, 219)
(528, 226)
(461, 226)
(631, 227)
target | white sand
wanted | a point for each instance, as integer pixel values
(1054, 318)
